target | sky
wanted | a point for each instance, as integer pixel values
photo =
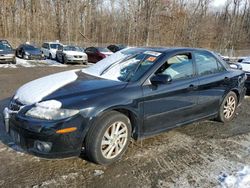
(218, 3)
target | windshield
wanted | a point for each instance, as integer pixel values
(5, 46)
(29, 47)
(103, 49)
(131, 68)
(71, 48)
(54, 46)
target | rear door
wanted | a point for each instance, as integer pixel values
(168, 105)
(45, 49)
(214, 81)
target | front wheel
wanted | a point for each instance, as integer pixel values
(228, 107)
(64, 60)
(108, 139)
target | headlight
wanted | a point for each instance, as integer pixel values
(50, 110)
(27, 53)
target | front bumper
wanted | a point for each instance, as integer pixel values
(34, 57)
(77, 59)
(27, 132)
(7, 59)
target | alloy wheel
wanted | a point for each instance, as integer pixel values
(114, 140)
(229, 107)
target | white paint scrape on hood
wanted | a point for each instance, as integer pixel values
(99, 67)
(36, 90)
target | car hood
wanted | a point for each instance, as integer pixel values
(3, 52)
(64, 84)
(74, 53)
(245, 66)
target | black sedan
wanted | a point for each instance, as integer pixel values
(140, 95)
(7, 53)
(115, 48)
(29, 52)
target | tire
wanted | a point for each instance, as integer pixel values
(100, 145)
(228, 108)
(14, 61)
(50, 56)
(57, 59)
(64, 60)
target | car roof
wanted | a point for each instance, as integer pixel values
(53, 43)
(170, 49)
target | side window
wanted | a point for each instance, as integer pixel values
(207, 64)
(88, 50)
(60, 47)
(178, 67)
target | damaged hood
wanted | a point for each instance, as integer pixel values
(63, 85)
(36, 90)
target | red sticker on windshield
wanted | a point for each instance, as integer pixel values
(151, 59)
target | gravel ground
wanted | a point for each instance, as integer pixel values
(204, 154)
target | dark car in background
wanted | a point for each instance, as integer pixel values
(151, 91)
(29, 52)
(116, 48)
(96, 54)
(7, 53)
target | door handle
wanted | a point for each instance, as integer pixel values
(192, 87)
(226, 79)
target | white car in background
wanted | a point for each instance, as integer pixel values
(49, 49)
(245, 64)
(71, 54)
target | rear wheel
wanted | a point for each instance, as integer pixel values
(228, 107)
(108, 140)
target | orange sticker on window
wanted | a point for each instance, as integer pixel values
(151, 59)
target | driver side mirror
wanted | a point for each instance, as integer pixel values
(160, 79)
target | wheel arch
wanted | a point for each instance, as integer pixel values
(236, 91)
(132, 115)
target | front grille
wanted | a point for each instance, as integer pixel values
(15, 105)
(77, 56)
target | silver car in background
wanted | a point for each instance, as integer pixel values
(71, 54)
(7, 53)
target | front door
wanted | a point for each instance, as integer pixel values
(171, 104)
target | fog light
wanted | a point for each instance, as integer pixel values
(43, 146)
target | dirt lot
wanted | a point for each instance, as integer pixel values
(204, 154)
